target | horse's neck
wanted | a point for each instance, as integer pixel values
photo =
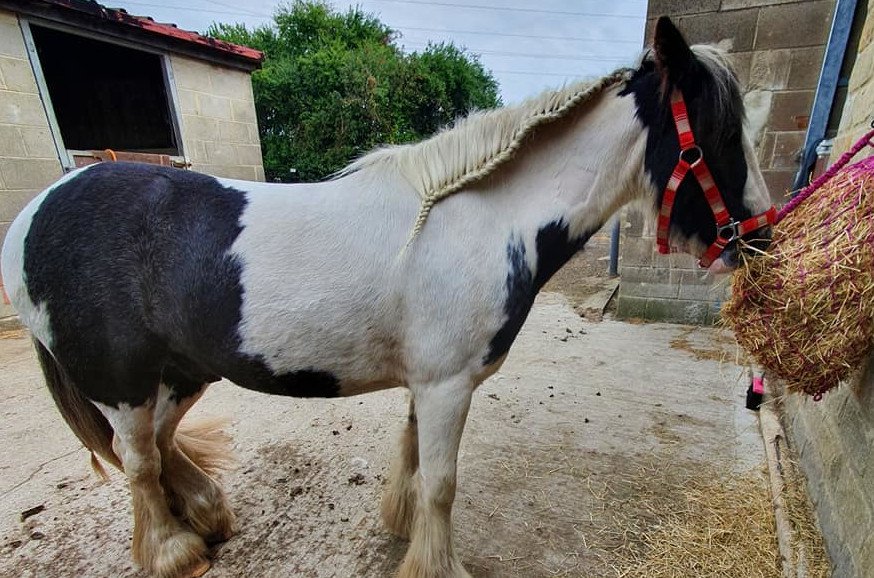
(574, 173)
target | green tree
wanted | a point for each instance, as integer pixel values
(335, 85)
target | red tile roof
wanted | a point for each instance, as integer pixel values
(148, 25)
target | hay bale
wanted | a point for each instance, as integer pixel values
(805, 309)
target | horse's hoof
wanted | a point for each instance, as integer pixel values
(218, 537)
(218, 526)
(182, 555)
(215, 524)
(200, 570)
(411, 568)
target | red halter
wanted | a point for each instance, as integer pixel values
(727, 229)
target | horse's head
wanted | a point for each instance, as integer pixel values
(709, 190)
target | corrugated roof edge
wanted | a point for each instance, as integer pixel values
(148, 25)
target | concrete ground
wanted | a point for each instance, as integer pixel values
(561, 446)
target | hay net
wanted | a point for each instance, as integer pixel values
(804, 309)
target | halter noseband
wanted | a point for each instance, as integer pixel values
(692, 157)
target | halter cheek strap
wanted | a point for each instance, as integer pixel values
(692, 158)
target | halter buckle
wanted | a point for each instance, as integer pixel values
(728, 232)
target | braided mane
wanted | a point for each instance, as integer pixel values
(477, 145)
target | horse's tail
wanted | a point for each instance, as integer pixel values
(206, 443)
(83, 417)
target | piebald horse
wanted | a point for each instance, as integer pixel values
(415, 267)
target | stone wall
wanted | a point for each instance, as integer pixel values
(28, 158)
(777, 48)
(835, 437)
(219, 129)
(655, 287)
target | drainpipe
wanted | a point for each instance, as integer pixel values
(825, 90)
(614, 249)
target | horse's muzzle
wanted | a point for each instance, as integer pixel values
(729, 259)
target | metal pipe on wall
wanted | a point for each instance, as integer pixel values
(829, 76)
(613, 271)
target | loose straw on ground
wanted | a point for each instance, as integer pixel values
(723, 526)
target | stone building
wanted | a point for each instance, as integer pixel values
(77, 78)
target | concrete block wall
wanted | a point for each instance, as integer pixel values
(670, 288)
(219, 128)
(777, 48)
(835, 437)
(28, 158)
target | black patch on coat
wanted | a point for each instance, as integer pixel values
(717, 126)
(520, 291)
(554, 248)
(302, 383)
(132, 264)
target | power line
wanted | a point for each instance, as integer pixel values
(200, 10)
(512, 9)
(529, 55)
(245, 12)
(534, 36)
(531, 73)
(226, 5)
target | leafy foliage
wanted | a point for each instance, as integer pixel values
(334, 85)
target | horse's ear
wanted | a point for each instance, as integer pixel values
(673, 56)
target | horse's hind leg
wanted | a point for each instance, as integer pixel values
(188, 458)
(399, 500)
(441, 410)
(161, 544)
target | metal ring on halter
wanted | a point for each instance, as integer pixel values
(696, 149)
(730, 227)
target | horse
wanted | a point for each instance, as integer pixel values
(414, 267)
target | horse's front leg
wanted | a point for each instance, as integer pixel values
(441, 410)
(399, 499)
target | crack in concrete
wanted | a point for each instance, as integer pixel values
(36, 471)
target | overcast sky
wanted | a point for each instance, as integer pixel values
(529, 46)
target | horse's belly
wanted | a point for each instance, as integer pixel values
(310, 382)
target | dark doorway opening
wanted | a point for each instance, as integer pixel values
(106, 96)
